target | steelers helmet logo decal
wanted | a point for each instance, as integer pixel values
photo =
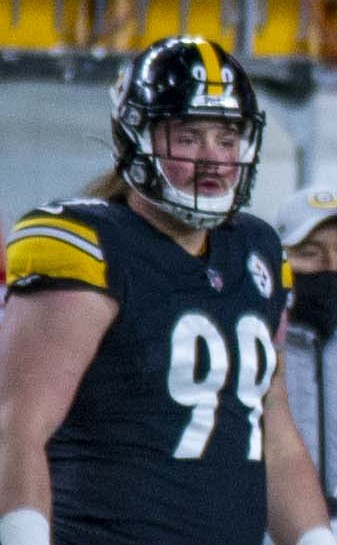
(260, 275)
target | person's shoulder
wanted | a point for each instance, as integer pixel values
(248, 221)
(60, 241)
(85, 208)
(72, 215)
(252, 227)
(257, 230)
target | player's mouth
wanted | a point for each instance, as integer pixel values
(209, 185)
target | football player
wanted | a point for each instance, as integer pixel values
(142, 398)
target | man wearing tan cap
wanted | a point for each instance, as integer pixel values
(307, 225)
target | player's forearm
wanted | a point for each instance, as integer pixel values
(294, 498)
(24, 476)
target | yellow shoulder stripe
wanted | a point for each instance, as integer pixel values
(70, 225)
(57, 248)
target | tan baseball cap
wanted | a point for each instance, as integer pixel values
(304, 211)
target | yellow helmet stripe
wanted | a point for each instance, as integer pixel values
(213, 68)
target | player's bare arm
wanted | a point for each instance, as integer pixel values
(43, 356)
(295, 502)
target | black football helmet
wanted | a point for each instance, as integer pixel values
(183, 77)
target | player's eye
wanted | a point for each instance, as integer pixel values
(227, 142)
(311, 253)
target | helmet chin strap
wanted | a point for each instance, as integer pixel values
(196, 212)
(194, 219)
(205, 204)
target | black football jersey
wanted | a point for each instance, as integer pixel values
(164, 441)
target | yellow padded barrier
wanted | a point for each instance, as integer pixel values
(37, 24)
(36, 27)
(205, 19)
(278, 36)
(163, 19)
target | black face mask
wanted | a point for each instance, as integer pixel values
(315, 302)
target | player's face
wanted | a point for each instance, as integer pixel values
(199, 155)
(318, 253)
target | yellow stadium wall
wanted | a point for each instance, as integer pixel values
(36, 27)
(279, 36)
(203, 18)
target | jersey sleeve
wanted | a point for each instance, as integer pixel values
(55, 251)
(285, 286)
(287, 279)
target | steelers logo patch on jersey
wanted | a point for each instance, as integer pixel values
(261, 275)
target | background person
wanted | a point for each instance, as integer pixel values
(307, 224)
(137, 358)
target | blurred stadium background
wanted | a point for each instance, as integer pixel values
(58, 58)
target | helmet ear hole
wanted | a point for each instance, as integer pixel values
(140, 174)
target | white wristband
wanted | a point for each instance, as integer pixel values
(321, 535)
(24, 527)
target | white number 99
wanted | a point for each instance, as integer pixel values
(203, 395)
